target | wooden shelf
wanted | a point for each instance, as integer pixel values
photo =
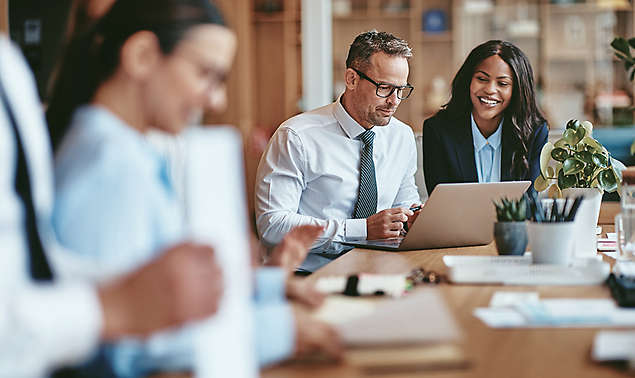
(582, 8)
(375, 16)
(269, 17)
(445, 36)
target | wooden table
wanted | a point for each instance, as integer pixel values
(491, 352)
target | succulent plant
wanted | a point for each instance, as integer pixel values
(511, 210)
(577, 161)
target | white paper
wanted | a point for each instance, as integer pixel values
(217, 215)
(614, 346)
(511, 298)
(565, 312)
(463, 260)
(582, 272)
(405, 320)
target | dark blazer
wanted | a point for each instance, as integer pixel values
(448, 151)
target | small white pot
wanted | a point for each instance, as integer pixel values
(586, 220)
(551, 243)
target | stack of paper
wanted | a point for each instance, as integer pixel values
(412, 332)
(526, 310)
(518, 270)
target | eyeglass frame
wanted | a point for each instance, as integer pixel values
(377, 85)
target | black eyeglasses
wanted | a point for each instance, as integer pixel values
(386, 90)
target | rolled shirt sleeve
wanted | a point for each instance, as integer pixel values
(279, 186)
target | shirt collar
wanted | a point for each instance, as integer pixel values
(351, 127)
(480, 141)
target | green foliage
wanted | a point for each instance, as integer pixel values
(578, 161)
(622, 49)
(511, 210)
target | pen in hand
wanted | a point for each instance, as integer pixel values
(405, 224)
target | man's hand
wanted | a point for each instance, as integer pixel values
(387, 223)
(313, 336)
(183, 284)
(294, 247)
(412, 218)
(304, 292)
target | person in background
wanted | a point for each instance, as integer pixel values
(150, 65)
(54, 312)
(348, 166)
(491, 130)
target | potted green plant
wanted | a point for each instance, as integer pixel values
(510, 230)
(575, 165)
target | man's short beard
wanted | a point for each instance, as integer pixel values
(379, 121)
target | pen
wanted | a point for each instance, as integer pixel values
(413, 208)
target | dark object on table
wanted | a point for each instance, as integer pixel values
(622, 290)
(510, 237)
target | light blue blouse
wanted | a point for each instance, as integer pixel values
(487, 153)
(115, 203)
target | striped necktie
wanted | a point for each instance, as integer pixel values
(367, 196)
(38, 265)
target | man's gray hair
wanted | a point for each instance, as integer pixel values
(370, 42)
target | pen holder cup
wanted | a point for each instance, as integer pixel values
(551, 243)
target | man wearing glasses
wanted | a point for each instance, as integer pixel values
(348, 166)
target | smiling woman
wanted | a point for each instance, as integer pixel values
(491, 129)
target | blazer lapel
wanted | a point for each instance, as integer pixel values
(465, 149)
(507, 145)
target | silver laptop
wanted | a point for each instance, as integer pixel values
(455, 215)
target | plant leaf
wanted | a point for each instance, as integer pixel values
(572, 124)
(594, 144)
(545, 155)
(559, 154)
(571, 136)
(566, 181)
(554, 192)
(522, 210)
(584, 156)
(621, 56)
(571, 166)
(617, 167)
(607, 180)
(600, 160)
(580, 133)
(540, 183)
(551, 172)
(631, 42)
(621, 45)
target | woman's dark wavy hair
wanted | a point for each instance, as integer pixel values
(522, 113)
(92, 55)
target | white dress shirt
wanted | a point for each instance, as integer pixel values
(487, 153)
(42, 326)
(309, 174)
